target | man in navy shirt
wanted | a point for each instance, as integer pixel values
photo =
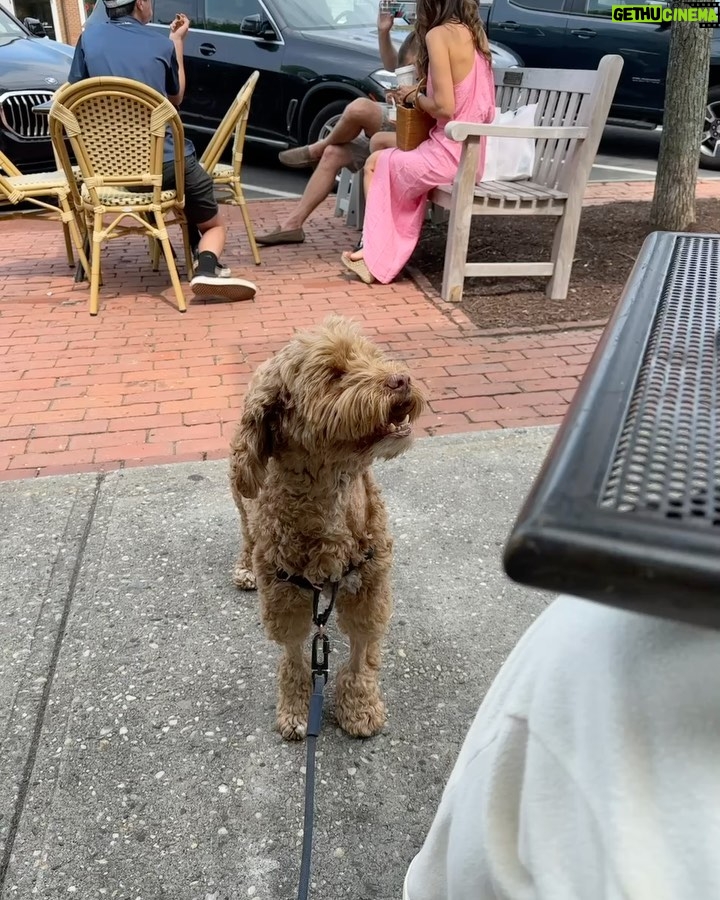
(122, 46)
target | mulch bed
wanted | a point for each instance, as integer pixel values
(609, 241)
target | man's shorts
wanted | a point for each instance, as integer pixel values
(360, 147)
(200, 202)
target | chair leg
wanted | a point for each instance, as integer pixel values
(153, 245)
(72, 231)
(563, 251)
(169, 259)
(188, 250)
(241, 202)
(68, 245)
(154, 249)
(95, 265)
(79, 242)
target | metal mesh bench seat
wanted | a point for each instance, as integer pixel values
(626, 508)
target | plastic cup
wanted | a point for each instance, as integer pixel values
(406, 75)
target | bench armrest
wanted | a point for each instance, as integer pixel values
(460, 131)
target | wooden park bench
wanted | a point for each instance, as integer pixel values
(573, 106)
(626, 508)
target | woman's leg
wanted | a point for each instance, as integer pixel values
(398, 185)
(368, 172)
(383, 140)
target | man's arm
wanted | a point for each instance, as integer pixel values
(78, 68)
(388, 53)
(176, 76)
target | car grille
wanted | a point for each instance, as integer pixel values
(16, 114)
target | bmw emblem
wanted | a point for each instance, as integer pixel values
(50, 80)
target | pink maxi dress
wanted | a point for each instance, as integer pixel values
(396, 202)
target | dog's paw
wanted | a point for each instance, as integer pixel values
(359, 710)
(292, 728)
(364, 722)
(244, 579)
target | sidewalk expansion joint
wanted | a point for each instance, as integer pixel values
(47, 690)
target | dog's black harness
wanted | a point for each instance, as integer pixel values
(307, 585)
(319, 666)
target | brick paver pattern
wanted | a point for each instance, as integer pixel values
(143, 384)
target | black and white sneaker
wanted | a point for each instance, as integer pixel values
(220, 270)
(215, 287)
(206, 283)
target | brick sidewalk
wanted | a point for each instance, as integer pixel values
(143, 384)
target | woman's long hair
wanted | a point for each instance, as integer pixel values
(431, 13)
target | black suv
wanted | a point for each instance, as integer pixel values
(314, 57)
(31, 70)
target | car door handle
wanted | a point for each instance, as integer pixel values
(509, 26)
(584, 32)
(207, 49)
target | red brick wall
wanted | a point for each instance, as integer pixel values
(70, 19)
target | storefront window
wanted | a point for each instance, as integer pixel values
(36, 9)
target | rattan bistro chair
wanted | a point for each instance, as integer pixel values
(49, 192)
(226, 178)
(116, 128)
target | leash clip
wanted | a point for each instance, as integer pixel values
(320, 656)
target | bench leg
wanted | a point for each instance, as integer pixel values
(456, 250)
(342, 197)
(356, 202)
(436, 214)
(461, 207)
(563, 251)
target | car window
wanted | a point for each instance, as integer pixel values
(330, 13)
(8, 28)
(227, 15)
(541, 5)
(164, 11)
(604, 7)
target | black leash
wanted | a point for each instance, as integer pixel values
(319, 666)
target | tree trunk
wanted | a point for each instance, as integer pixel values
(688, 72)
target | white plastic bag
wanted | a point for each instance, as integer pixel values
(511, 158)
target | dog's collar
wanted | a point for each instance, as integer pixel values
(307, 585)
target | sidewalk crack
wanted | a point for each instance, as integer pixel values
(47, 690)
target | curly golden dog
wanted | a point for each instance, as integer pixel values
(316, 416)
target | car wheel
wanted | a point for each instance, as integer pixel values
(710, 146)
(325, 120)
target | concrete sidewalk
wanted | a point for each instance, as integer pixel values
(139, 758)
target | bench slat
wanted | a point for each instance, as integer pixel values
(582, 80)
(504, 270)
(510, 191)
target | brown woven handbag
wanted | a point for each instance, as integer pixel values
(413, 125)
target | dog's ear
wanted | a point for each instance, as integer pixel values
(253, 442)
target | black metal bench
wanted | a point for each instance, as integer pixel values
(626, 508)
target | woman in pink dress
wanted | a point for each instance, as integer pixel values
(454, 58)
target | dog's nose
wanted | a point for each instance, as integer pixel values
(398, 382)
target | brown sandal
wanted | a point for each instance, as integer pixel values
(357, 267)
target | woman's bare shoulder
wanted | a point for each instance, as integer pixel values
(449, 33)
